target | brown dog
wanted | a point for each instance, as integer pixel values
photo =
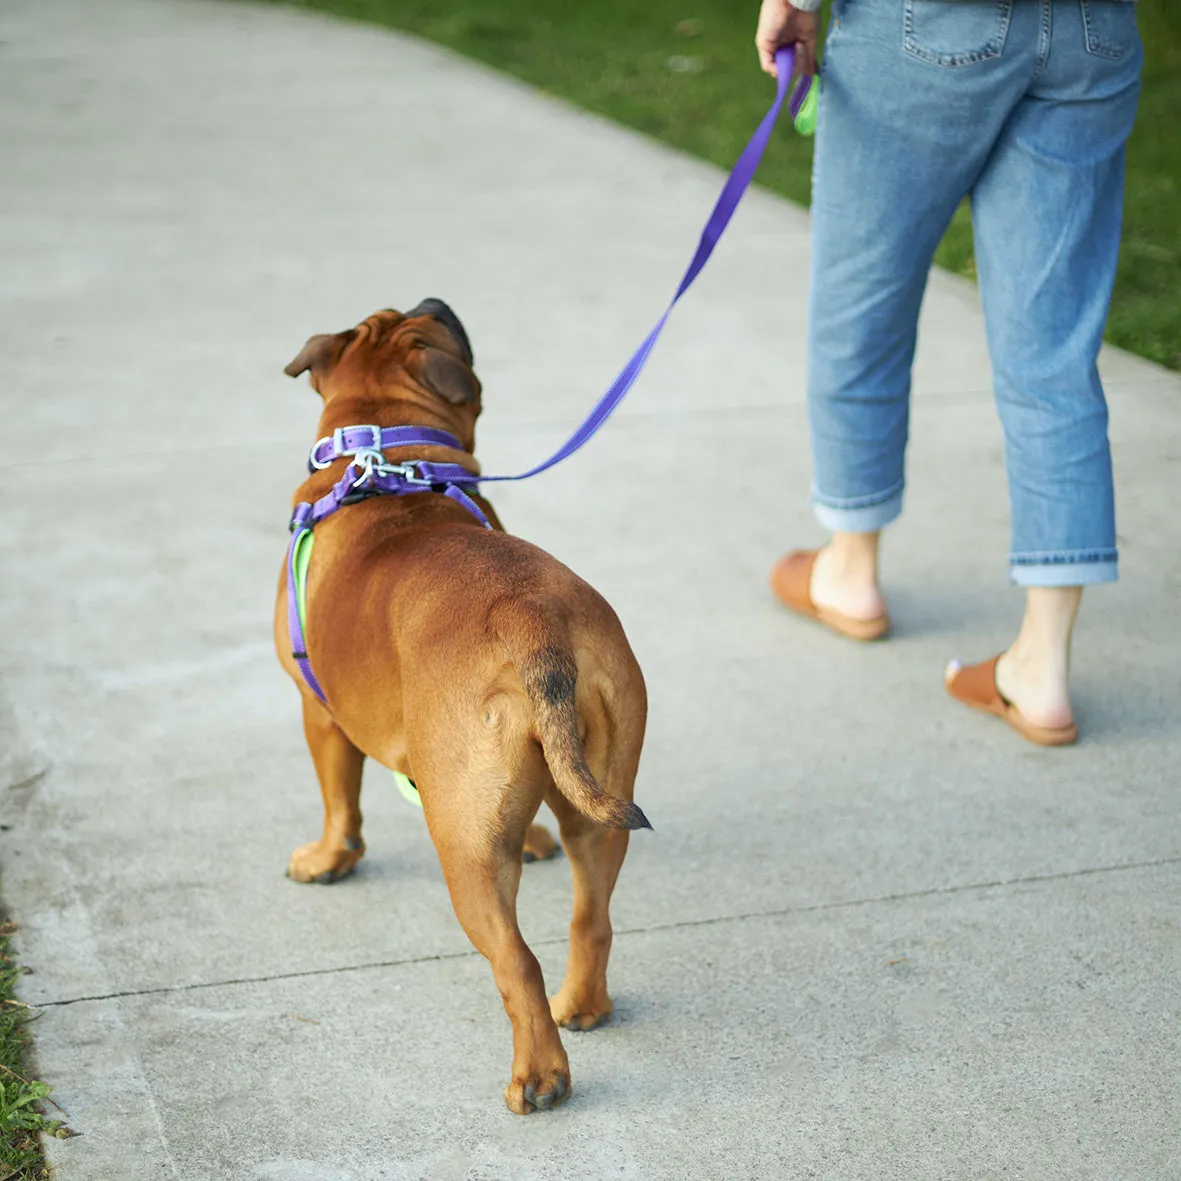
(477, 665)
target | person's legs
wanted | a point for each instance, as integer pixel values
(915, 93)
(1047, 212)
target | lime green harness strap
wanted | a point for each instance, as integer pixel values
(303, 555)
(407, 788)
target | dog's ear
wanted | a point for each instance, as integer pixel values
(438, 310)
(320, 353)
(444, 374)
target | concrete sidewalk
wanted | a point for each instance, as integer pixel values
(873, 936)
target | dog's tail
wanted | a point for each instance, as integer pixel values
(549, 679)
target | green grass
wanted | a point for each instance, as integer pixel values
(621, 58)
(22, 1099)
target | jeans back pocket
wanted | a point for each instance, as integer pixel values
(955, 32)
(1110, 26)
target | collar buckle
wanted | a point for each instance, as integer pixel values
(339, 448)
(375, 440)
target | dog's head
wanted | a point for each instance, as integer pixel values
(421, 357)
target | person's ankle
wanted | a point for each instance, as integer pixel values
(852, 558)
(1041, 660)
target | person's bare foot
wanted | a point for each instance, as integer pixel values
(844, 579)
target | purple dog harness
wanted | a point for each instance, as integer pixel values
(368, 474)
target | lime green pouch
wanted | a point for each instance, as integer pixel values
(804, 119)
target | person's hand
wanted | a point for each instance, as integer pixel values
(780, 24)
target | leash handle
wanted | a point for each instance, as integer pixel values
(736, 185)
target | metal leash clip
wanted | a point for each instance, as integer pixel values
(373, 463)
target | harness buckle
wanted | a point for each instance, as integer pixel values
(338, 444)
(301, 517)
(357, 495)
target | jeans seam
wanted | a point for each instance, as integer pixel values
(1065, 558)
(1045, 32)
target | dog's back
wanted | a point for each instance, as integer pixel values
(454, 625)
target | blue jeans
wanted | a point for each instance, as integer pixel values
(1025, 106)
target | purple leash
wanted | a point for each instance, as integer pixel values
(373, 476)
(736, 185)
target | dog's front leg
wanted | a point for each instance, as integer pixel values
(338, 765)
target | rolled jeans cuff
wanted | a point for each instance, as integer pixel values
(866, 514)
(1071, 569)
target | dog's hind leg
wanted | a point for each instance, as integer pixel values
(596, 854)
(338, 765)
(479, 835)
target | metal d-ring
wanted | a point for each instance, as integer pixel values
(371, 460)
(317, 465)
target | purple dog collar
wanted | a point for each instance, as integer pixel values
(348, 440)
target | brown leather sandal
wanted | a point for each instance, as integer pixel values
(791, 580)
(975, 685)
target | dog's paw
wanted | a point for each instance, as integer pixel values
(579, 1013)
(539, 845)
(538, 1093)
(323, 863)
